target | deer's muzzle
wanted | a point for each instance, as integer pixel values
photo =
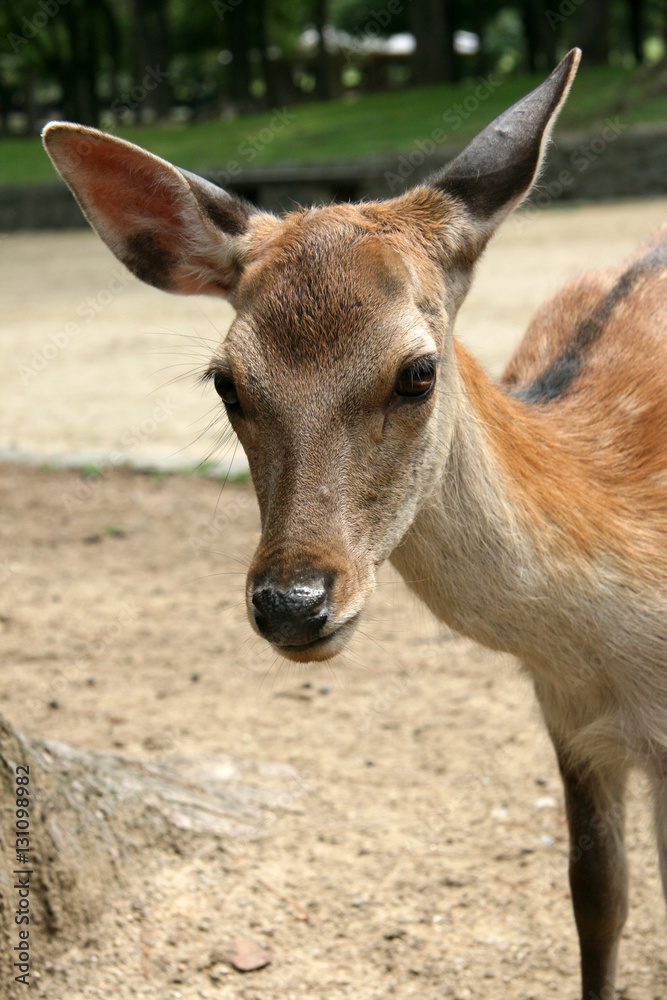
(294, 615)
(299, 613)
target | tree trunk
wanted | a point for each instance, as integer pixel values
(270, 72)
(152, 53)
(592, 32)
(77, 68)
(322, 61)
(540, 37)
(90, 815)
(113, 43)
(239, 45)
(636, 15)
(433, 61)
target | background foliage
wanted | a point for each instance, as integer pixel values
(90, 60)
(176, 69)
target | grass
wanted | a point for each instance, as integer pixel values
(353, 128)
(211, 470)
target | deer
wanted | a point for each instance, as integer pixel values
(529, 514)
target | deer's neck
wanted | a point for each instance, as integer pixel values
(500, 549)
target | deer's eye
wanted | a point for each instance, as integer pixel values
(417, 379)
(226, 389)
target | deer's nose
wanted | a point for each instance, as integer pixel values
(294, 615)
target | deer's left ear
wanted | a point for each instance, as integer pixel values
(498, 168)
(171, 228)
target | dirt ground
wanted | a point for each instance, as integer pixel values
(417, 850)
(417, 847)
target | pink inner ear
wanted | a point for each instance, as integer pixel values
(128, 189)
(145, 211)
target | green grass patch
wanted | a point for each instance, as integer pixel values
(354, 128)
(115, 530)
(242, 476)
(214, 470)
(92, 471)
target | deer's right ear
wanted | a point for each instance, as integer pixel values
(172, 229)
(498, 168)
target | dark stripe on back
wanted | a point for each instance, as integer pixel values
(558, 377)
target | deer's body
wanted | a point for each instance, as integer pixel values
(529, 515)
(547, 532)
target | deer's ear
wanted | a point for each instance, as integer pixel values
(498, 168)
(172, 229)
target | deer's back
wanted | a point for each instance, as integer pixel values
(593, 364)
(591, 372)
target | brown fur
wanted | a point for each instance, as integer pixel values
(530, 515)
(613, 418)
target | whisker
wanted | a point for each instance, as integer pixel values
(209, 576)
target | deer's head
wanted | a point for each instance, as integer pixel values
(338, 373)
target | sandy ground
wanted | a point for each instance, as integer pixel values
(421, 834)
(418, 848)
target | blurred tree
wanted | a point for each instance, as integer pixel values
(261, 40)
(540, 37)
(239, 43)
(322, 61)
(363, 18)
(67, 44)
(153, 52)
(431, 24)
(591, 32)
(199, 70)
(477, 18)
(235, 54)
(636, 17)
(82, 57)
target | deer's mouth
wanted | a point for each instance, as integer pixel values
(323, 648)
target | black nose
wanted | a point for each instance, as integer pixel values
(294, 615)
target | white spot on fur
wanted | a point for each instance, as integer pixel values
(630, 404)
